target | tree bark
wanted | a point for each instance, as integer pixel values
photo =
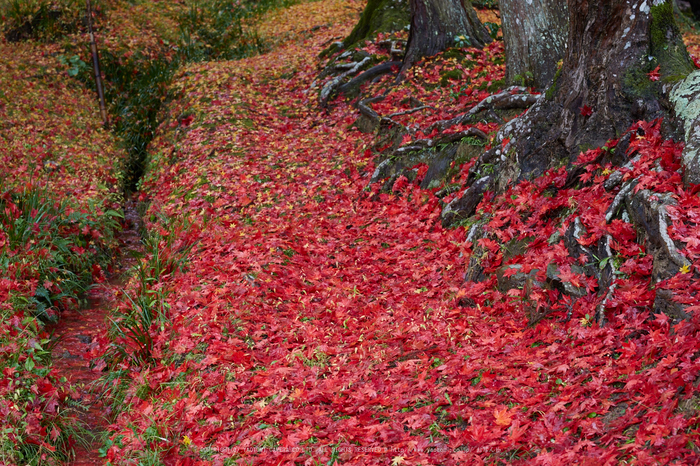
(435, 24)
(534, 34)
(379, 16)
(605, 84)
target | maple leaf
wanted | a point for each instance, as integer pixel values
(503, 417)
(654, 74)
(586, 111)
(396, 460)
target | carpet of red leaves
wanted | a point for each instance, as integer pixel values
(319, 321)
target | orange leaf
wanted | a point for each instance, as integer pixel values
(503, 417)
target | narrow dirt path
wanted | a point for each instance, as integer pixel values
(76, 335)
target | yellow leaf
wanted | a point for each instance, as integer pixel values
(685, 268)
(397, 460)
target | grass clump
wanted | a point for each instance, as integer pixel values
(50, 252)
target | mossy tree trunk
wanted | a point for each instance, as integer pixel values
(624, 61)
(435, 24)
(379, 16)
(604, 84)
(534, 33)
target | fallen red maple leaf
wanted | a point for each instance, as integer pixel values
(654, 75)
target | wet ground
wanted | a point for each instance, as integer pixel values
(77, 333)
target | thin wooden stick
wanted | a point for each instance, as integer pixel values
(96, 66)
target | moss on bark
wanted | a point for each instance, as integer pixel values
(667, 44)
(379, 16)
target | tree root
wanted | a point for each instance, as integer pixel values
(513, 97)
(422, 144)
(647, 211)
(331, 86)
(619, 200)
(366, 110)
(377, 120)
(393, 47)
(600, 310)
(370, 74)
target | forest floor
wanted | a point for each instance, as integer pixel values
(284, 311)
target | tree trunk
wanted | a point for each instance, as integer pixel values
(625, 61)
(435, 24)
(534, 33)
(379, 16)
(606, 83)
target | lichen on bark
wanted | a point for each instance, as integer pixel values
(685, 97)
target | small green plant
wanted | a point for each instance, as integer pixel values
(462, 42)
(215, 29)
(493, 29)
(60, 249)
(49, 253)
(147, 304)
(74, 64)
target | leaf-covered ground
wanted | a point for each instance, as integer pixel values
(59, 189)
(284, 312)
(305, 319)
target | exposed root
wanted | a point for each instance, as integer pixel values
(366, 110)
(395, 47)
(676, 256)
(616, 177)
(422, 144)
(370, 74)
(513, 97)
(600, 310)
(619, 200)
(657, 206)
(578, 229)
(331, 86)
(413, 110)
(464, 206)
